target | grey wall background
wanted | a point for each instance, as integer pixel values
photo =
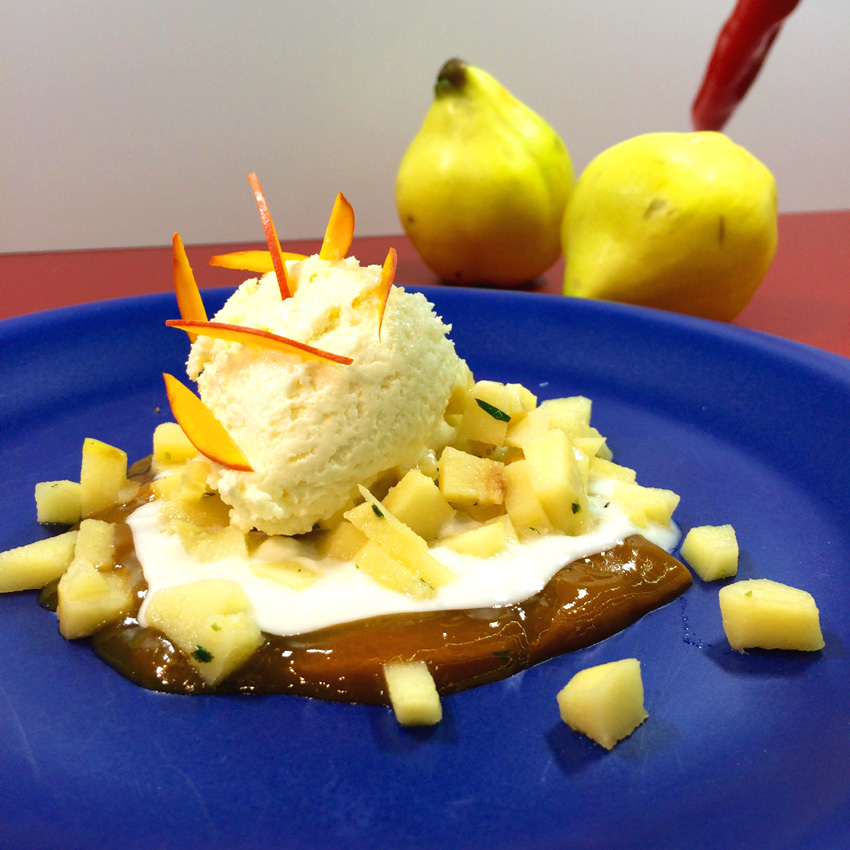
(121, 122)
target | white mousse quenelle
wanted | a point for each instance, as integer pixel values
(314, 430)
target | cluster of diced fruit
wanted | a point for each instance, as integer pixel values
(605, 702)
(516, 469)
(93, 590)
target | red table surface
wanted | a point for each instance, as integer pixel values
(805, 296)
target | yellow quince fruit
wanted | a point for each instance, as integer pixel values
(680, 221)
(482, 187)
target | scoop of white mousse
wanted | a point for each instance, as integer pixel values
(312, 431)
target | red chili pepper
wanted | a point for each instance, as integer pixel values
(740, 50)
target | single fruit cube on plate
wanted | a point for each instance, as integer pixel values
(418, 503)
(712, 551)
(210, 621)
(103, 476)
(604, 702)
(96, 543)
(764, 614)
(58, 502)
(35, 565)
(466, 479)
(171, 446)
(413, 694)
(89, 599)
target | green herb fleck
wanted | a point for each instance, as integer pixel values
(576, 507)
(377, 511)
(748, 593)
(202, 654)
(493, 411)
(215, 627)
(502, 653)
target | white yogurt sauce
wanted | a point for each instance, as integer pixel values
(343, 594)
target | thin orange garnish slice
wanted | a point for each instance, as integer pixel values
(387, 277)
(258, 338)
(188, 296)
(252, 261)
(340, 231)
(271, 237)
(203, 430)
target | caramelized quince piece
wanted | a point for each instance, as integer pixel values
(278, 262)
(340, 231)
(387, 277)
(257, 338)
(259, 262)
(188, 296)
(204, 431)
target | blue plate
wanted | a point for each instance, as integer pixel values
(739, 751)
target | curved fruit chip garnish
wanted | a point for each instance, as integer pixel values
(258, 339)
(259, 262)
(387, 276)
(340, 231)
(271, 237)
(202, 429)
(188, 296)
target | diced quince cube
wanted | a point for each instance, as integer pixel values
(712, 551)
(58, 502)
(556, 479)
(35, 565)
(400, 542)
(413, 694)
(521, 502)
(89, 599)
(483, 542)
(571, 415)
(602, 468)
(96, 543)
(103, 476)
(343, 542)
(418, 503)
(207, 511)
(764, 614)
(171, 446)
(643, 505)
(534, 424)
(604, 702)
(210, 621)
(469, 480)
(193, 481)
(291, 574)
(491, 406)
(218, 544)
(377, 563)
